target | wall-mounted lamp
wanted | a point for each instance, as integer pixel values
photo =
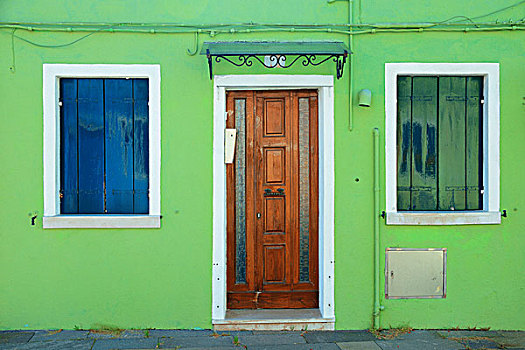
(365, 98)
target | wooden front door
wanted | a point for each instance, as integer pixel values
(272, 200)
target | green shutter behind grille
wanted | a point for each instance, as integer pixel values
(404, 142)
(439, 140)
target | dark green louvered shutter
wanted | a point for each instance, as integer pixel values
(439, 141)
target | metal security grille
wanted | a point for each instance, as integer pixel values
(439, 143)
(104, 167)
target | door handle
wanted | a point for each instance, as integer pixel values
(258, 215)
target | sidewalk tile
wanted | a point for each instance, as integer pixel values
(477, 343)
(61, 335)
(15, 337)
(337, 336)
(275, 339)
(51, 345)
(415, 335)
(130, 343)
(102, 335)
(278, 332)
(359, 345)
(234, 333)
(132, 333)
(170, 333)
(420, 333)
(420, 342)
(214, 348)
(318, 346)
(511, 339)
(460, 334)
(195, 342)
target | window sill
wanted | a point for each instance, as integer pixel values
(444, 218)
(102, 221)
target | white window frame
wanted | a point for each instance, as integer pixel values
(325, 85)
(491, 134)
(52, 73)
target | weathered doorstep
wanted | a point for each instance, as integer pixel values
(274, 320)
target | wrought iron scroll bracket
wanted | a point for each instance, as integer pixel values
(340, 64)
(210, 65)
(278, 60)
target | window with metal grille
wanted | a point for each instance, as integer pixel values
(439, 143)
(104, 158)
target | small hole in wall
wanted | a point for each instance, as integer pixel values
(356, 179)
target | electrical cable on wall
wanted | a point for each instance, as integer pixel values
(447, 25)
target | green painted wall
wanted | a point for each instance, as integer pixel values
(162, 278)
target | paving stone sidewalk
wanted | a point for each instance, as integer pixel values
(239, 340)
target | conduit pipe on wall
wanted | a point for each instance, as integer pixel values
(377, 306)
(332, 29)
(351, 67)
(350, 62)
(70, 26)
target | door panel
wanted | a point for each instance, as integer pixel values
(274, 117)
(275, 260)
(274, 215)
(272, 200)
(274, 165)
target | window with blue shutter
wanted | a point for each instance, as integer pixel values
(104, 165)
(439, 143)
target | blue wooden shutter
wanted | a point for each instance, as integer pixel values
(119, 146)
(140, 146)
(90, 146)
(104, 146)
(69, 147)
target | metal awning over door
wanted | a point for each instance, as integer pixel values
(273, 54)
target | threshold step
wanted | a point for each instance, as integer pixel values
(274, 320)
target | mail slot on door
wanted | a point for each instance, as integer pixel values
(268, 193)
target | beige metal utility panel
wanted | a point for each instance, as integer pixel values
(415, 273)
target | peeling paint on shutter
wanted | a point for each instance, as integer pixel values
(118, 105)
(404, 142)
(474, 142)
(90, 146)
(451, 143)
(69, 147)
(104, 146)
(140, 146)
(424, 122)
(440, 143)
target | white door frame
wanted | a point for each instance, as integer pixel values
(325, 85)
